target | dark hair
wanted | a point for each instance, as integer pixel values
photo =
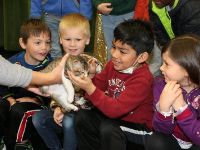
(33, 27)
(185, 50)
(136, 33)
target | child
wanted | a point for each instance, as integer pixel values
(121, 93)
(53, 10)
(74, 33)
(177, 97)
(17, 103)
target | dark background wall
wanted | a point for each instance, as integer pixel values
(1, 23)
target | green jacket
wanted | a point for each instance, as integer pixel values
(119, 6)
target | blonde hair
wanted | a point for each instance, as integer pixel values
(74, 20)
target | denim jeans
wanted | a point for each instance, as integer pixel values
(50, 131)
(109, 23)
(53, 23)
(69, 142)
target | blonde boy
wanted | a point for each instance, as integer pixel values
(74, 31)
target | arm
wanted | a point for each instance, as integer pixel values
(190, 125)
(161, 123)
(13, 74)
(125, 102)
(16, 75)
(188, 117)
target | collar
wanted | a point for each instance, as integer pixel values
(130, 70)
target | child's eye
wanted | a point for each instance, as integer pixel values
(78, 39)
(37, 43)
(166, 64)
(123, 52)
(48, 43)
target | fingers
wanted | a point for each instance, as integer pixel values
(64, 59)
(58, 116)
(58, 122)
(174, 87)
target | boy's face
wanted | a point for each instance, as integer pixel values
(37, 48)
(123, 55)
(74, 41)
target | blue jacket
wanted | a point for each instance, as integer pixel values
(61, 7)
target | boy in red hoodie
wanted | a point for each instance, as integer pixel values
(121, 93)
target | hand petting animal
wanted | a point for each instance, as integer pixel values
(67, 95)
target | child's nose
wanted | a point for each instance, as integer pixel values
(115, 53)
(72, 43)
(44, 46)
(162, 67)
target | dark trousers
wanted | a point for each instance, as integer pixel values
(97, 132)
(160, 141)
(12, 118)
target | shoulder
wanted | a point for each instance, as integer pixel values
(17, 58)
(159, 81)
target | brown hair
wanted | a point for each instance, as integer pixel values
(33, 27)
(185, 50)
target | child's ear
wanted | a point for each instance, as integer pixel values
(22, 44)
(143, 57)
(88, 41)
(60, 40)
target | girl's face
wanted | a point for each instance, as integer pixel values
(172, 71)
(37, 48)
(74, 41)
(123, 56)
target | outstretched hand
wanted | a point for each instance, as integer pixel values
(57, 72)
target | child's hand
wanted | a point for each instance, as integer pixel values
(37, 91)
(169, 94)
(105, 8)
(179, 102)
(58, 116)
(83, 82)
(57, 72)
(11, 100)
(92, 67)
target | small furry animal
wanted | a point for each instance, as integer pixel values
(66, 93)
